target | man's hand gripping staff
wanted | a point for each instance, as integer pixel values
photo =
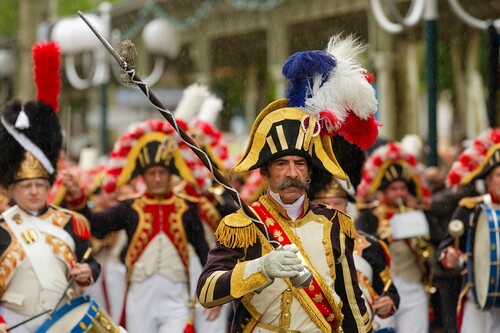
(284, 262)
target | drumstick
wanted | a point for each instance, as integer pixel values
(384, 291)
(70, 282)
(456, 230)
(27, 320)
(386, 287)
(85, 257)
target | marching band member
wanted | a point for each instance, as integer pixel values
(199, 109)
(371, 257)
(391, 173)
(270, 287)
(41, 245)
(159, 227)
(481, 161)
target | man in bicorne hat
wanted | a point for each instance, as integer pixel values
(394, 193)
(292, 269)
(478, 307)
(158, 223)
(41, 245)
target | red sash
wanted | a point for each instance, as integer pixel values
(314, 291)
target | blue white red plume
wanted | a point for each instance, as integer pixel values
(334, 88)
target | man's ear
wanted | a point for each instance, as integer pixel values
(264, 172)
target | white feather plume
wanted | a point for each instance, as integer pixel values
(191, 102)
(346, 88)
(210, 109)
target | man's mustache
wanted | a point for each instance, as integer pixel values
(293, 183)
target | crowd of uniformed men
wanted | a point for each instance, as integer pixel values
(339, 230)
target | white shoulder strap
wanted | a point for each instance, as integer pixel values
(26, 229)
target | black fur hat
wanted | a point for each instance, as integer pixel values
(30, 134)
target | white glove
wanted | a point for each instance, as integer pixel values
(282, 263)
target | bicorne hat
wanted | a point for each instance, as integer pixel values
(476, 161)
(147, 144)
(330, 94)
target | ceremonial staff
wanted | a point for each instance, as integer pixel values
(125, 65)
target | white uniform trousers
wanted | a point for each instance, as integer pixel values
(201, 324)
(413, 313)
(157, 305)
(475, 320)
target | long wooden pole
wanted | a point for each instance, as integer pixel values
(219, 178)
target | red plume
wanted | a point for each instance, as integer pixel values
(362, 133)
(46, 65)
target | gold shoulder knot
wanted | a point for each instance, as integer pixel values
(346, 225)
(236, 231)
(470, 202)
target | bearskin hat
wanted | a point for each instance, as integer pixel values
(30, 134)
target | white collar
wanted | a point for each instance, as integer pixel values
(294, 209)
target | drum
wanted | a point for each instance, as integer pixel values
(81, 314)
(483, 257)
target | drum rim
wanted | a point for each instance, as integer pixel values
(65, 309)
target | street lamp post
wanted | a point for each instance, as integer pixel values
(492, 27)
(430, 32)
(75, 39)
(428, 10)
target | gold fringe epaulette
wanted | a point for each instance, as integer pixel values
(346, 225)
(236, 231)
(470, 202)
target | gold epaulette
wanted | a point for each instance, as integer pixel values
(236, 231)
(130, 196)
(346, 225)
(470, 202)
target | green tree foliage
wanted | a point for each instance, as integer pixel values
(9, 12)
(8, 17)
(71, 7)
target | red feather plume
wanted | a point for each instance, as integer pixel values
(360, 132)
(46, 65)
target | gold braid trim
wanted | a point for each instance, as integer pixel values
(346, 225)
(236, 237)
(470, 202)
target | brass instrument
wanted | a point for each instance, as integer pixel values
(424, 255)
